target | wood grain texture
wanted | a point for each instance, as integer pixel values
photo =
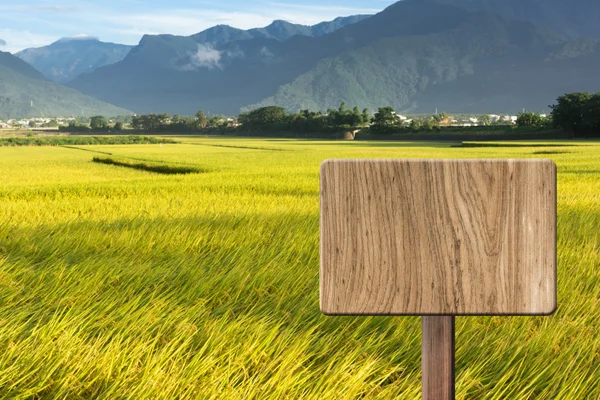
(437, 358)
(438, 237)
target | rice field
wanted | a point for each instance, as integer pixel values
(120, 283)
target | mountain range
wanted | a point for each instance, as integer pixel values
(278, 30)
(416, 55)
(68, 58)
(483, 63)
(469, 56)
(24, 91)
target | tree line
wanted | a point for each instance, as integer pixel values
(165, 122)
(577, 113)
(97, 124)
(81, 140)
(148, 123)
(274, 118)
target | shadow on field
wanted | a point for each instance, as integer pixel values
(149, 166)
(238, 147)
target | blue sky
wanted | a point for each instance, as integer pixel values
(40, 22)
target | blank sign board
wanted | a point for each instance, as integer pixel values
(438, 237)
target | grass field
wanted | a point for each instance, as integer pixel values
(117, 283)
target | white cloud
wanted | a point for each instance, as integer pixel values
(51, 8)
(205, 57)
(81, 36)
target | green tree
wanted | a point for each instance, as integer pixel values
(570, 112)
(136, 122)
(548, 122)
(201, 120)
(354, 119)
(98, 123)
(264, 118)
(214, 121)
(385, 120)
(366, 118)
(307, 121)
(298, 122)
(592, 115)
(528, 118)
(344, 119)
(431, 123)
(118, 126)
(151, 122)
(74, 126)
(485, 120)
(415, 125)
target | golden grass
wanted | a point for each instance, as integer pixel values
(119, 283)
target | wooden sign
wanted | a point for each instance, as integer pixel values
(438, 238)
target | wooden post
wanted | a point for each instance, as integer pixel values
(437, 239)
(437, 353)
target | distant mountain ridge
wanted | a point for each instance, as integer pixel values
(166, 50)
(572, 18)
(414, 56)
(471, 61)
(278, 30)
(282, 30)
(25, 92)
(68, 58)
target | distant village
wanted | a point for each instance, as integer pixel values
(473, 121)
(31, 123)
(45, 123)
